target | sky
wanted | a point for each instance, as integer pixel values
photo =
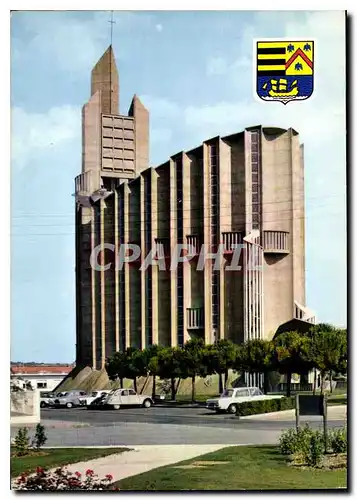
(194, 72)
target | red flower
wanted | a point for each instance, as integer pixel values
(89, 472)
(78, 474)
(109, 477)
(39, 470)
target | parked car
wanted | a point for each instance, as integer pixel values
(51, 400)
(230, 398)
(127, 397)
(87, 400)
(46, 399)
(98, 402)
(159, 398)
(69, 399)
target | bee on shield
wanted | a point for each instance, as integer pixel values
(285, 70)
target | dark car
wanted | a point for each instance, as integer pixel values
(97, 402)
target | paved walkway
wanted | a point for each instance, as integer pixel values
(142, 459)
(338, 412)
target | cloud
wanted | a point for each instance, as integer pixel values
(33, 133)
(220, 66)
(160, 135)
(216, 66)
(161, 108)
(159, 27)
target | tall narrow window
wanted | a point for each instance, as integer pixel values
(214, 185)
(255, 159)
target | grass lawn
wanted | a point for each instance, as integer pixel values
(248, 468)
(57, 457)
(337, 399)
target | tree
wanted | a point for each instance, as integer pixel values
(342, 367)
(290, 354)
(152, 360)
(227, 356)
(117, 367)
(328, 351)
(137, 364)
(257, 357)
(191, 357)
(169, 366)
(129, 364)
(314, 335)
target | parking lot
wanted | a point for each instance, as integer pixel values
(159, 415)
(181, 415)
(161, 424)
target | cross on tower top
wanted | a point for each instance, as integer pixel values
(111, 21)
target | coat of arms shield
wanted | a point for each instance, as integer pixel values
(285, 70)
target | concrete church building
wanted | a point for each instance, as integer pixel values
(247, 187)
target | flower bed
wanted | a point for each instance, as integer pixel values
(61, 479)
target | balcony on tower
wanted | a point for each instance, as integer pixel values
(275, 242)
(162, 248)
(231, 240)
(195, 318)
(194, 242)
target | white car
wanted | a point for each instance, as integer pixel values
(87, 400)
(127, 397)
(230, 399)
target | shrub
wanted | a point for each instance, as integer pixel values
(314, 452)
(307, 446)
(61, 479)
(40, 437)
(287, 442)
(22, 441)
(338, 440)
(294, 441)
(265, 406)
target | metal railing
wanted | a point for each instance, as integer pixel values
(195, 317)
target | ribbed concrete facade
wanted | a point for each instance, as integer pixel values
(243, 189)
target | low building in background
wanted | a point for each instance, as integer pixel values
(44, 377)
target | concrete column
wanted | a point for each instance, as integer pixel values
(154, 268)
(207, 240)
(142, 258)
(116, 279)
(102, 282)
(93, 288)
(173, 242)
(126, 267)
(186, 205)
